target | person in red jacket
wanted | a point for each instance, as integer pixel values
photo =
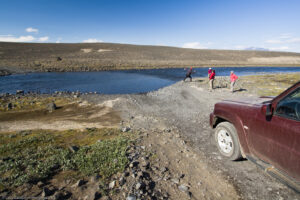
(211, 80)
(233, 79)
(209, 71)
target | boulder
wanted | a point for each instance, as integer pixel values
(51, 107)
(131, 197)
(20, 92)
(73, 149)
(95, 178)
(79, 183)
(58, 195)
(139, 185)
(122, 181)
(97, 195)
(125, 129)
(112, 185)
(175, 180)
(46, 192)
(9, 106)
(40, 184)
(183, 188)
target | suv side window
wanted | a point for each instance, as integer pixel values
(289, 107)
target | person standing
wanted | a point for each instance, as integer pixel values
(233, 79)
(188, 74)
(211, 80)
(209, 71)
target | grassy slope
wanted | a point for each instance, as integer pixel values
(106, 56)
(269, 84)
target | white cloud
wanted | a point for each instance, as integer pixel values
(32, 30)
(161, 44)
(279, 48)
(58, 40)
(43, 39)
(284, 39)
(239, 47)
(293, 40)
(242, 47)
(194, 45)
(10, 38)
(285, 36)
(92, 40)
(274, 41)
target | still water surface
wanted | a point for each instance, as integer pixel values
(118, 82)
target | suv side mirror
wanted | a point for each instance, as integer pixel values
(267, 110)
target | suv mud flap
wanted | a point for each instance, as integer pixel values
(281, 176)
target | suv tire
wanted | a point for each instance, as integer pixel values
(227, 141)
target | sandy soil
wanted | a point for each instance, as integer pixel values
(77, 115)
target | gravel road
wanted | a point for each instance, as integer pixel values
(185, 107)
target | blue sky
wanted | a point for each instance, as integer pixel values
(212, 24)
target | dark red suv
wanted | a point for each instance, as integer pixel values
(264, 130)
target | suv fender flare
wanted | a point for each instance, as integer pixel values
(239, 126)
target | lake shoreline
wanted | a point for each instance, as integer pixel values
(7, 71)
(118, 81)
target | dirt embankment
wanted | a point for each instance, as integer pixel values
(28, 57)
(174, 156)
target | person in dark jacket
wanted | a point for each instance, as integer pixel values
(189, 73)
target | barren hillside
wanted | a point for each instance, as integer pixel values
(16, 57)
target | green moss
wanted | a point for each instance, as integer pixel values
(2, 187)
(39, 155)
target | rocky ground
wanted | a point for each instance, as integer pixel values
(173, 156)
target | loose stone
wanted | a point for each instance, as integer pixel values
(183, 188)
(112, 185)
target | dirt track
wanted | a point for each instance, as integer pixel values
(184, 109)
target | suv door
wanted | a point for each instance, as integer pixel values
(277, 139)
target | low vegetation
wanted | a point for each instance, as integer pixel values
(269, 84)
(25, 103)
(262, 85)
(32, 156)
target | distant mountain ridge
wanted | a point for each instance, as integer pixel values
(257, 49)
(16, 57)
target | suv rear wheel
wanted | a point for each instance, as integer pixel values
(228, 141)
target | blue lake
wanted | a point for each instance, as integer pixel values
(118, 82)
